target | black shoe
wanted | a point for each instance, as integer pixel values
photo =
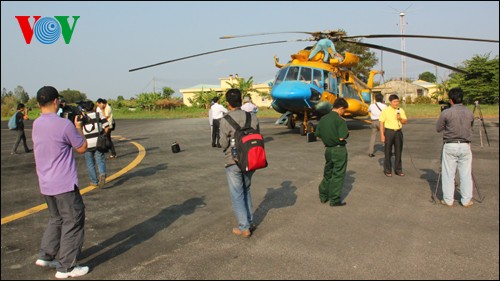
(213, 145)
(338, 204)
(219, 146)
(371, 155)
(29, 150)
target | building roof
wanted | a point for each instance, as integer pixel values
(204, 86)
(424, 84)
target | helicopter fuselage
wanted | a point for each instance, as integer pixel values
(308, 88)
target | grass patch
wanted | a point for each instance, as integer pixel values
(412, 111)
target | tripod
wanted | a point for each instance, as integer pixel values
(480, 117)
(474, 185)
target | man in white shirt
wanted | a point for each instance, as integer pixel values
(218, 112)
(249, 106)
(375, 109)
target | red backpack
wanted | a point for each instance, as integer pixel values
(249, 145)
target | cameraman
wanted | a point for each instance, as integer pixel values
(95, 124)
(456, 122)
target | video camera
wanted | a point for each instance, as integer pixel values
(444, 105)
(80, 111)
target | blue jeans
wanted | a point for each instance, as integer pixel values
(457, 156)
(101, 164)
(241, 198)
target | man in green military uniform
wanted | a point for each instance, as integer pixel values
(332, 129)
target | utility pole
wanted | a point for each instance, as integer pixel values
(403, 58)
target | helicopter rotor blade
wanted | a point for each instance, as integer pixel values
(265, 33)
(405, 54)
(216, 51)
(419, 36)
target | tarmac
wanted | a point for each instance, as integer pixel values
(165, 215)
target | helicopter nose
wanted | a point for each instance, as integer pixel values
(291, 91)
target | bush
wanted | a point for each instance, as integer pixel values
(423, 100)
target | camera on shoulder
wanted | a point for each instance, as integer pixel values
(79, 111)
(444, 105)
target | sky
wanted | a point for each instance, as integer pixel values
(110, 38)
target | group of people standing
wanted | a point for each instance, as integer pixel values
(217, 111)
(55, 138)
(456, 124)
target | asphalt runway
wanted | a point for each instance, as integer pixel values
(169, 216)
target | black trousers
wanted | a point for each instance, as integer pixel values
(215, 132)
(393, 139)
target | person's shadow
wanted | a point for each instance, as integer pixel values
(275, 198)
(127, 239)
(432, 179)
(348, 183)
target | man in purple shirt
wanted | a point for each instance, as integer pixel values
(54, 139)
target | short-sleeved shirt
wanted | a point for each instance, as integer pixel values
(390, 119)
(331, 129)
(94, 128)
(53, 141)
(375, 110)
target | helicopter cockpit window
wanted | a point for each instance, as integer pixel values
(281, 75)
(292, 74)
(305, 75)
(317, 78)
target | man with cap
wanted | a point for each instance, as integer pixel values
(249, 106)
(54, 139)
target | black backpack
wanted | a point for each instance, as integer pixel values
(249, 144)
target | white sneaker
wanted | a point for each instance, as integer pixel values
(43, 263)
(77, 271)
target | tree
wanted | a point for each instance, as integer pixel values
(202, 99)
(246, 87)
(480, 83)
(367, 59)
(148, 100)
(427, 76)
(21, 95)
(73, 96)
(167, 92)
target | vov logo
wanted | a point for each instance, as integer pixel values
(47, 30)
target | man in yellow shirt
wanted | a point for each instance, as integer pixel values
(391, 120)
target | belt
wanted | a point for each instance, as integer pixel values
(456, 141)
(393, 129)
(338, 145)
(374, 119)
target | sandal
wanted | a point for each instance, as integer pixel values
(388, 174)
(401, 174)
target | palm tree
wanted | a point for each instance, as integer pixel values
(246, 87)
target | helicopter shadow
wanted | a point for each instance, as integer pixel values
(275, 198)
(145, 172)
(139, 233)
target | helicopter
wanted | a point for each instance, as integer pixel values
(306, 87)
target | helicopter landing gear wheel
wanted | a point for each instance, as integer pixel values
(302, 128)
(310, 127)
(291, 122)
